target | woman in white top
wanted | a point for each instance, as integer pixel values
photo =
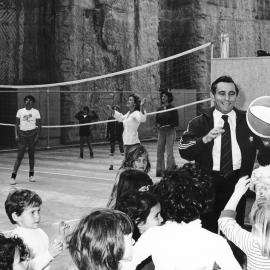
(131, 120)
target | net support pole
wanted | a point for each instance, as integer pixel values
(212, 50)
(48, 117)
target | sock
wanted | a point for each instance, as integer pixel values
(31, 174)
(13, 175)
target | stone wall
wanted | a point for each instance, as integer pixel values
(180, 29)
(246, 21)
(113, 36)
(55, 41)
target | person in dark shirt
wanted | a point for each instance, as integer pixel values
(166, 123)
(84, 117)
(114, 134)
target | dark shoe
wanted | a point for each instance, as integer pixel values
(91, 155)
(81, 155)
(111, 167)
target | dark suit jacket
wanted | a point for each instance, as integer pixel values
(192, 147)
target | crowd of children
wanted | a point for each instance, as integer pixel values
(163, 218)
(145, 225)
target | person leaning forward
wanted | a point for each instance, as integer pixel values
(202, 142)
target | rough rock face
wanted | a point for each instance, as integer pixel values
(68, 40)
(246, 21)
(54, 41)
(114, 36)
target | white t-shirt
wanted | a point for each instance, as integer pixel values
(28, 118)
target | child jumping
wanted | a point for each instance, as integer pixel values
(23, 209)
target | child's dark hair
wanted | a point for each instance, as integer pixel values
(137, 101)
(131, 180)
(86, 108)
(168, 94)
(133, 154)
(98, 241)
(17, 201)
(185, 193)
(8, 247)
(29, 97)
(137, 205)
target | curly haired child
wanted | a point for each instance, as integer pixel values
(13, 253)
(182, 243)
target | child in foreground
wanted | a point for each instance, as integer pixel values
(13, 253)
(23, 209)
(143, 208)
(102, 240)
(255, 244)
(181, 243)
(260, 182)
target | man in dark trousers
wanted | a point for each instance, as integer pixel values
(114, 134)
(84, 117)
(166, 123)
(222, 143)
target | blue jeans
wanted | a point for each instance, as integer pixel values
(24, 142)
(166, 138)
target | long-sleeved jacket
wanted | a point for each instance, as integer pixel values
(192, 147)
(167, 118)
(85, 130)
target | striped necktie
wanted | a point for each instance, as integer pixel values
(226, 166)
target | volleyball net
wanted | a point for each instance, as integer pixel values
(59, 102)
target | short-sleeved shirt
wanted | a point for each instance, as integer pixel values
(28, 118)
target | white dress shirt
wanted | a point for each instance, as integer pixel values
(236, 153)
(131, 122)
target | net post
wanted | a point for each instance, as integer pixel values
(212, 50)
(48, 117)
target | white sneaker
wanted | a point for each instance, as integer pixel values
(32, 179)
(12, 181)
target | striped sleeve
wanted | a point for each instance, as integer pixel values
(235, 233)
(191, 145)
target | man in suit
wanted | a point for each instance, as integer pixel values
(221, 142)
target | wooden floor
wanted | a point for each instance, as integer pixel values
(69, 186)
